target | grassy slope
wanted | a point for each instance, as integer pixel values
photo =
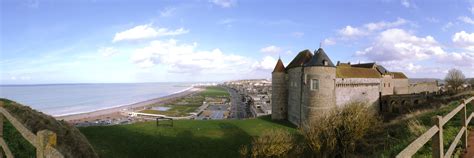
(395, 137)
(19, 146)
(188, 138)
(193, 103)
(70, 142)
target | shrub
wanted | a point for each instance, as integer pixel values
(416, 128)
(337, 132)
(272, 143)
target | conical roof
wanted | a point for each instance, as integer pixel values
(302, 57)
(279, 67)
(319, 58)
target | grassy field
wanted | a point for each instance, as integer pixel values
(215, 91)
(187, 138)
(190, 103)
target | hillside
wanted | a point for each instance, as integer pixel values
(70, 141)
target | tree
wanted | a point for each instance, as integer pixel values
(455, 78)
(471, 81)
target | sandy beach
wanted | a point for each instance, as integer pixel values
(116, 112)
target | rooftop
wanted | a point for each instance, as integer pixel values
(356, 72)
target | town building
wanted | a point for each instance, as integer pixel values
(311, 84)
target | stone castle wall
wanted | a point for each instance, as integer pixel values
(386, 85)
(423, 87)
(279, 96)
(294, 97)
(400, 86)
(317, 102)
(357, 89)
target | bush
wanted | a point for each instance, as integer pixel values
(272, 143)
(337, 133)
(416, 128)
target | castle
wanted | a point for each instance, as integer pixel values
(311, 84)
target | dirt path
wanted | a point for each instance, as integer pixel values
(470, 146)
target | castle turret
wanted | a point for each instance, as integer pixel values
(319, 90)
(279, 92)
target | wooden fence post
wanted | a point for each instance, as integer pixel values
(464, 125)
(45, 138)
(437, 139)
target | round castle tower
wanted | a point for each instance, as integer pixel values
(319, 90)
(279, 92)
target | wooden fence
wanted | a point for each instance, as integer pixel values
(44, 141)
(435, 134)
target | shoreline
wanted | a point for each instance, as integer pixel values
(114, 112)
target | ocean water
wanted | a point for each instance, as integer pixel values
(64, 99)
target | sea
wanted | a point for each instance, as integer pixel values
(66, 99)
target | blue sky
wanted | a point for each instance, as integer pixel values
(105, 41)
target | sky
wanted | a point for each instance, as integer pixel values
(125, 41)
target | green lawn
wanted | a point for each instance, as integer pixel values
(215, 91)
(192, 102)
(188, 138)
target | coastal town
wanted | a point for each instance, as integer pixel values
(230, 100)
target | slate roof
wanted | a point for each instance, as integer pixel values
(318, 59)
(398, 75)
(364, 65)
(356, 72)
(279, 67)
(381, 69)
(302, 57)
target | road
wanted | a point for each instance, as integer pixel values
(238, 108)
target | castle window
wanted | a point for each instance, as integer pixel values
(314, 84)
(388, 84)
(383, 84)
(325, 63)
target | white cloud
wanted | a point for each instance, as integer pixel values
(398, 49)
(466, 20)
(383, 25)
(350, 31)
(328, 42)
(267, 63)
(472, 9)
(167, 12)
(464, 39)
(184, 58)
(224, 3)
(397, 44)
(145, 32)
(405, 3)
(447, 26)
(271, 49)
(107, 51)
